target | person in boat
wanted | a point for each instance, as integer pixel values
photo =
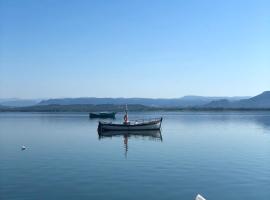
(126, 117)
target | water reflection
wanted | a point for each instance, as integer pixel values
(260, 118)
(149, 135)
(263, 120)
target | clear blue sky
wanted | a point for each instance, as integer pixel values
(140, 48)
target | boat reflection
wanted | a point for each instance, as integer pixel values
(149, 135)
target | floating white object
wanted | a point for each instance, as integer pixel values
(199, 197)
(23, 148)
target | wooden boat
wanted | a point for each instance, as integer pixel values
(137, 125)
(103, 115)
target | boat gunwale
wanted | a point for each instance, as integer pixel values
(131, 130)
(132, 125)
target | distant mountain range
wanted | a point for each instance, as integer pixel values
(15, 102)
(76, 108)
(186, 101)
(261, 101)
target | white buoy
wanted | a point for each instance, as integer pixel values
(23, 148)
(199, 197)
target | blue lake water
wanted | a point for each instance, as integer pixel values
(221, 155)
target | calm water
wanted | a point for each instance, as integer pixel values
(221, 155)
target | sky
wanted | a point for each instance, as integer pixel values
(140, 48)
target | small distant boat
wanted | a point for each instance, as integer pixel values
(135, 125)
(103, 115)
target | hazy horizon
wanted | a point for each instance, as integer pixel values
(176, 97)
(149, 49)
(19, 98)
